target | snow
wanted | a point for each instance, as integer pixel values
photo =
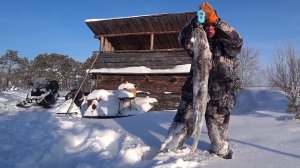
(110, 103)
(103, 19)
(126, 90)
(178, 69)
(126, 85)
(262, 135)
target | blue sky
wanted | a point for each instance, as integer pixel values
(33, 27)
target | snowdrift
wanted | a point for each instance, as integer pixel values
(262, 135)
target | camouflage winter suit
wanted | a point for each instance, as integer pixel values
(224, 47)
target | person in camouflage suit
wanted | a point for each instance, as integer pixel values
(225, 43)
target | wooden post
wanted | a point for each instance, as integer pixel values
(152, 41)
(102, 43)
(109, 47)
(96, 87)
(106, 45)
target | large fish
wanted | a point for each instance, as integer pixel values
(201, 66)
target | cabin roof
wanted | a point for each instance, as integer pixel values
(134, 33)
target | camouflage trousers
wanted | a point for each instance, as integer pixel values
(217, 114)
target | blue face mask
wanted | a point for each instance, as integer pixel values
(201, 16)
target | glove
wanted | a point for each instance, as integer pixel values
(211, 15)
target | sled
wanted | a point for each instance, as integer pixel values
(107, 117)
(96, 117)
(104, 104)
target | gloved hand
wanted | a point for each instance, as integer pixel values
(210, 13)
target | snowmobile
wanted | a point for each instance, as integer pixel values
(44, 93)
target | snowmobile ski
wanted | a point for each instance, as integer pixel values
(24, 104)
(96, 117)
(201, 66)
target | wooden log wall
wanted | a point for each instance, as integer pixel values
(154, 59)
(165, 88)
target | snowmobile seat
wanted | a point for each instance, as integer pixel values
(52, 85)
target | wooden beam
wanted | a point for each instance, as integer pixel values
(145, 51)
(136, 34)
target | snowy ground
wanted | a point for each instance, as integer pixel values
(262, 135)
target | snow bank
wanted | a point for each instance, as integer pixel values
(263, 135)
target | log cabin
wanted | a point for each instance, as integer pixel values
(145, 51)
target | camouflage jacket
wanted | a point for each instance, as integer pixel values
(225, 46)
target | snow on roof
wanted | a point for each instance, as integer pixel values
(179, 69)
(127, 17)
(102, 19)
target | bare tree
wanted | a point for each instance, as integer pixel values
(10, 64)
(248, 68)
(21, 76)
(284, 73)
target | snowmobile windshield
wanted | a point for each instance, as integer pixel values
(40, 83)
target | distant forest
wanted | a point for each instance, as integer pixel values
(18, 72)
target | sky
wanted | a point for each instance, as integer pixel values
(34, 27)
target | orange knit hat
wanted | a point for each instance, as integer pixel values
(211, 15)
